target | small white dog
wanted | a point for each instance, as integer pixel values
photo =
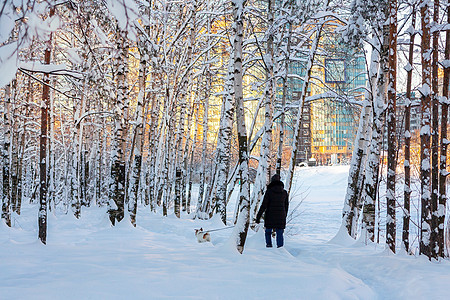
(202, 236)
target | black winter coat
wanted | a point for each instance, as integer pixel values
(276, 205)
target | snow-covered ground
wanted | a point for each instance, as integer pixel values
(160, 259)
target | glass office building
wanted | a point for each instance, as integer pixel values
(331, 116)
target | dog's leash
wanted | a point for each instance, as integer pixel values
(225, 228)
(218, 229)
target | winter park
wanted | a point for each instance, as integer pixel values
(243, 149)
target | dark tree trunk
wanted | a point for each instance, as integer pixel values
(435, 136)
(444, 144)
(391, 120)
(42, 219)
(407, 163)
(425, 132)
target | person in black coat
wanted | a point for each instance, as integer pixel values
(276, 205)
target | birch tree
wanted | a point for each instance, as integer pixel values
(138, 133)
(367, 22)
(262, 171)
(243, 221)
(6, 193)
(117, 184)
(223, 145)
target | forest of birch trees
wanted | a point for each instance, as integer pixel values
(129, 104)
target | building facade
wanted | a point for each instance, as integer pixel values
(333, 103)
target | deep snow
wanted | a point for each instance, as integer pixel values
(89, 259)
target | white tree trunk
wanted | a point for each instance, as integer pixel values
(262, 172)
(242, 224)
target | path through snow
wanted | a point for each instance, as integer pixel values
(161, 259)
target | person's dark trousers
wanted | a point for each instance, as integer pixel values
(280, 240)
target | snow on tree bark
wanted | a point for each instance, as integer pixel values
(407, 135)
(6, 187)
(379, 59)
(202, 184)
(391, 124)
(283, 99)
(117, 183)
(444, 144)
(434, 247)
(139, 133)
(262, 171)
(365, 24)
(425, 132)
(350, 213)
(242, 224)
(223, 146)
(191, 154)
(42, 216)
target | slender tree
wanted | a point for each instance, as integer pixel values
(117, 186)
(391, 133)
(434, 135)
(284, 89)
(263, 169)
(6, 187)
(407, 135)
(243, 220)
(425, 132)
(443, 173)
(138, 139)
(42, 219)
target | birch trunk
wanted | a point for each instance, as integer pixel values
(117, 185)
(371, 168)
(180, 169)
(241, 228)
(77, 153)
(357, 165)
(203, 163)
(6, 163)
(138, 140)
(223, 146)
(187, 147)
(192, 152)
(379, 59)
(262, 172)
(283, 99)
(20, 182)
(153, 152)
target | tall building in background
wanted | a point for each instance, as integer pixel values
(335, 117)
(333, 102)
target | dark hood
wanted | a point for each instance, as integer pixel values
(277, 186)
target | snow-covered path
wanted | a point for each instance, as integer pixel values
(160, 259)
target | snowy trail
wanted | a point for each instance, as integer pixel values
(161, 259)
